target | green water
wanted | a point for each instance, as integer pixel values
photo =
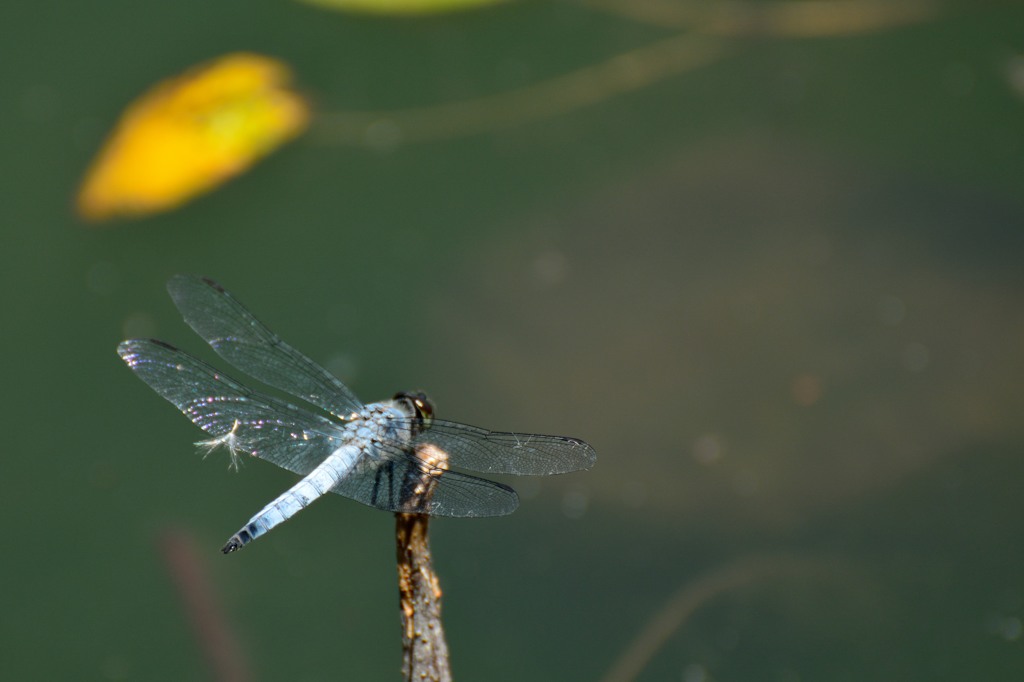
(781, 295)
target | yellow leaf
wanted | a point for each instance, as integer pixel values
(190, 133)
(401, 6)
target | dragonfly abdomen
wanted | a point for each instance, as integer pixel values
(326, 475)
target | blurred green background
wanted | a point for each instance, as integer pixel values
(781, 295)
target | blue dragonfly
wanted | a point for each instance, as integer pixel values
(392, 455)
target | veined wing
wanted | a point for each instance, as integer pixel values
(503, 452)
(235, 416)
(246, 343)
(403, 482)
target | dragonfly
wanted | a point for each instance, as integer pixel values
(392, 455)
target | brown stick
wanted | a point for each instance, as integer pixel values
(424, 649)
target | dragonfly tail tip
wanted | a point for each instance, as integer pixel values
(234, 544)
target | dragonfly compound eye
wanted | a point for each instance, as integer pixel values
(420, 405)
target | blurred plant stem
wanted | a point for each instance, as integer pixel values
(424, 649)
(712, 30)
(694, 594)
(590, 85)
(202, 607)
(776, 19)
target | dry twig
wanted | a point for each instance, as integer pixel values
(424, 649)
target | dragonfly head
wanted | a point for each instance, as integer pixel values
(419, 406)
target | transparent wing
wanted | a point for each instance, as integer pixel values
(246, 343)
(402, 482)
(502, 452)
(237, 417)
